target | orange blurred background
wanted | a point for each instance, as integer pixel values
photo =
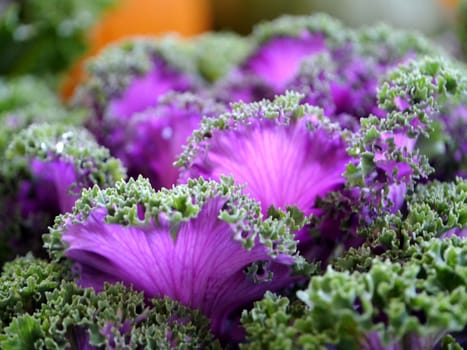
(191, 17)
(141, 17)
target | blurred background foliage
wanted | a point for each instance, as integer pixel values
(53, 38)
(424, 15)
(40, 37)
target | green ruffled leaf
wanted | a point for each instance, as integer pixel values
(334, 32)
(230, 49)
(24, 283)
(412, 303)
(431, 211)
(115, 318)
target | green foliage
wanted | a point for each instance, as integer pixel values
(25, 100)
(387, 44)
(216, 53)
(24, 283)
(411, 304)
(424, 85)
(431, 211)
(277, 324)
(26, 90)
(438, 207)
(332, 30)
(115, 318)
(41, 37)
(462, 25)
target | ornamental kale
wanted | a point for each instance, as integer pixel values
(128, 78)
(116, 318)
(279, 49)
(434, 90)
(392, 306)
(335, 68)
(300, 188)
(154, 138)
(24, 283)
(23, 101)
(436, 210)
(287, 154)
(344, 79)
(48, 166)
(203, 244)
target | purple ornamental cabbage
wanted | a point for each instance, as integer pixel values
(335, 68)
(270, 69)
(456, 127)
(429, 94)
(344, 79)
(343, 84)
(361, 66)
(144, 90)
(154, 138)
(451, 160)
(203, 244)
(281, 47)
(48, 166)
(50, 188)
(267, 63)
(129, 78)
(285, 154)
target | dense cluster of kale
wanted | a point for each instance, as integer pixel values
(300, 188)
